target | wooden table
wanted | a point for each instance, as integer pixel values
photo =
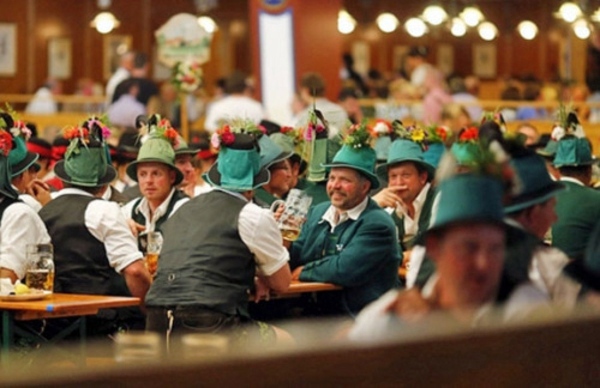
(297, 288)
(56, 306)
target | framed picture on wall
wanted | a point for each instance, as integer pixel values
(8, 49)
(114, 47)
(59, 58)
(484, 60)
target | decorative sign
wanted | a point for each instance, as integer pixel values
(182, 39)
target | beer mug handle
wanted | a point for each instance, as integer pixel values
(276, 203)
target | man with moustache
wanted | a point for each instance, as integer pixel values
(349, 241)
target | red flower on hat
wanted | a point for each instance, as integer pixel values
(6, 142)
(469, 134)
(71, 133)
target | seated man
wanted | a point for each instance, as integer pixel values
(158, 177)
(94, 250)
(349, 241)
(20, 225)
(213, 248)
(532, 214)
(466, 242)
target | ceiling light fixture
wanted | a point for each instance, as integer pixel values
(472, 16)
(208, 24)
(527, 29)
(345, 22)
(415, 27)
(458, 27)
(582, 29)
(435, 15)
(105, 22)
(569, 12)
(487, 31)
(387, 22)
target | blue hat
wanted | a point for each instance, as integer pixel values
(271, 152)
(361, 159)
(238, 166)
(469, 198)
(573, 151)
(466, 153)
(382, 147)
(433, 154)
(538, 187)
(403, 150)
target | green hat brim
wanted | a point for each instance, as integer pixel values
(541, 196)
(213, 177)
(23, 165)
(132, 169)
(383, 168)
(580, 164)
(109, 176)
(368, 174)
(186, 151)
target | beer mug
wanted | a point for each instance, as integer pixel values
(40, 267)
(154, 242)
(294, 214)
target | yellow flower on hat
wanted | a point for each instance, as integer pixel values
(417, 135)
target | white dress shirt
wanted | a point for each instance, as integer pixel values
(144, 208)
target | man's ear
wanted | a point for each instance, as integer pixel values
(172, 176)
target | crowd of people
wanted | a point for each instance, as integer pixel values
(405, 219)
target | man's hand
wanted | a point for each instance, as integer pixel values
(261, 289)
(410, 305)
(40, 191)
(296, 273)
(135, 227)
(388, 197)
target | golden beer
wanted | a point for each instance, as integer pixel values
(151, 262)
(40, 279)
(290, 234)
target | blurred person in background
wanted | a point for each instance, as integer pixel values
(43, 101)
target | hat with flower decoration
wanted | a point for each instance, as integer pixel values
(19, 159)
(408, 147)
(86, 161)
(271, 152)
(6, 145)
(291, 140)
(158, 146)
(573, 148)
(238, 166)
(382, 133)
(435, 140)
(316, 135)
(357, 154)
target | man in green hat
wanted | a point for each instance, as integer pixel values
(578, 208)
(215, 246)
(94, 250)
(349, 241)
(157, 177)
(531, 213)
(184, 161)
(20, 225)
(466, 241)
(276, 160)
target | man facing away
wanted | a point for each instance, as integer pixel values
(213, 249)
(93, 246)
(349, 241)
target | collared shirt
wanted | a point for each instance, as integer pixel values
(572, 180)
(20, 226)
(411, 225)
(104, 220)
(144, 208)
(259, 231)
(331, 214)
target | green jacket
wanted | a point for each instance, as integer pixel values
(423, 222)
(578, 211)
(361, 255)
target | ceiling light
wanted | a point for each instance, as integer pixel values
(208, 24)
(105, 22)
(569, 11)
(487, 31)
(596, 16)
(387, 22)
(527, 29)
(415, 27)
(582, 29)
(458, 27)
(346, 23)
(472, 16)
(435, 15)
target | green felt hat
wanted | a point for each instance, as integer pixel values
(86, 160)
(157, 148)
(6, 145)
(549, 151)
(538, 187)
(271, 152)
(382, 147)
(469, 198)
(433, 154)
(466, 153)
(20, 159)
(182, 147)
(403, 150)
(238, 167)
(573, 151)
(361, 159)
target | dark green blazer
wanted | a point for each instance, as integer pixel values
(423, 222)
(361, 255)
(578, 211)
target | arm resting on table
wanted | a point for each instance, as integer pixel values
(138, 279)
(280, 280)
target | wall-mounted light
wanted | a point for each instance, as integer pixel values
(527, 29)
(105, 22)
(458, 27)
(582, 29)
(415, 27)
(387, 22)
(345, 22)
(472, 16)
(487, 31)
(569, 12)
(208, 24)
(435, 15)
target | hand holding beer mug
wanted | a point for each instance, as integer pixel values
(154, 244)
(294, 213)
(40, 269)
